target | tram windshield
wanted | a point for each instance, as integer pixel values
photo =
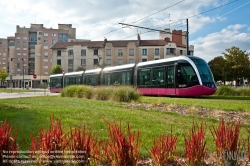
(205, 72)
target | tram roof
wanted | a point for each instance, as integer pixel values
(118, 67)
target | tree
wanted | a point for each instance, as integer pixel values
(57, 69)
(3, 75)
(237, 63)
(217, 65)
(80, 68)
(101, 65)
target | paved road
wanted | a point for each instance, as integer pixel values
(26, 94)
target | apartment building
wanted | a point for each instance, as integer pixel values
(89, 54)
(28, 53)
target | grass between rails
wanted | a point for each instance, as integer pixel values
(29, 115)
(212, 102)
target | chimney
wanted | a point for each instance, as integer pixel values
(167, 39)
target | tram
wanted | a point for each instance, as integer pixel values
(183, 76)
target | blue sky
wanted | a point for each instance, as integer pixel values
(211, 32)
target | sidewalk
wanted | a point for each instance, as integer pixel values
(4, 95)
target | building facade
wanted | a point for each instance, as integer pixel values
(88, 54)
(28, 53)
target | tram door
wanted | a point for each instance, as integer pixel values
(170, 80)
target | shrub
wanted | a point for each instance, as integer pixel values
(69, 91)
(124, 147)
(83, 143)
(195, 145)
(225, 91)
(49, 141)
(125, 94)
(226, 138)
(164, 149)
(7, 142)
(103, 93)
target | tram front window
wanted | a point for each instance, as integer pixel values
(205, 72)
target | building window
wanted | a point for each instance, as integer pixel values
(59, 62)
(181, 52)
(53, 42)
(83, 62)
(108, 61)
(24, 38)
(70, 53)
(131, 52)
(157, 51)
(120, 61)
(45, 47)
(70, 62)
(59, 52)
(53, 34)
(170, 51)
(131, 61)
(40, 33)
(95, 51)
(119, 52)
(95, 61)
(39, 38)
(24, 44)
(191, 52)
(46, 55)
(144, 51)
(144, 60)
(45, 34)
(62, 37)
(46, 41)
(83, 52)
(18, 65)
(17, 43)
(108, 52)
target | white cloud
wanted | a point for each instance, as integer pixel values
(214, 44)
(94, 17)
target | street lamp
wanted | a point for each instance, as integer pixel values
(23, 68)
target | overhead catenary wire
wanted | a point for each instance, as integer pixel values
(195, 16)
(140, 19)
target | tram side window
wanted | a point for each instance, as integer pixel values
(72, 80)
(106, 79)
(126, 80)
(56, 82)
(186, 76)
(66, 81)
(170, 77)
(116, 78)
(158, 76)
(144, 77)
(91, 80)
(78, 80)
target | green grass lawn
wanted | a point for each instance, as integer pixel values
(29, 115)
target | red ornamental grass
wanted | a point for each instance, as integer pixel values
(8, 144)
(195, 145)
(164, 149)
(82, 145)
(49, 143)
(124, 147)
(226, 138)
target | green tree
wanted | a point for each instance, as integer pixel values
(237, 63)
(80, 68)
(57, 69)
(3, 75)
(217, 65)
